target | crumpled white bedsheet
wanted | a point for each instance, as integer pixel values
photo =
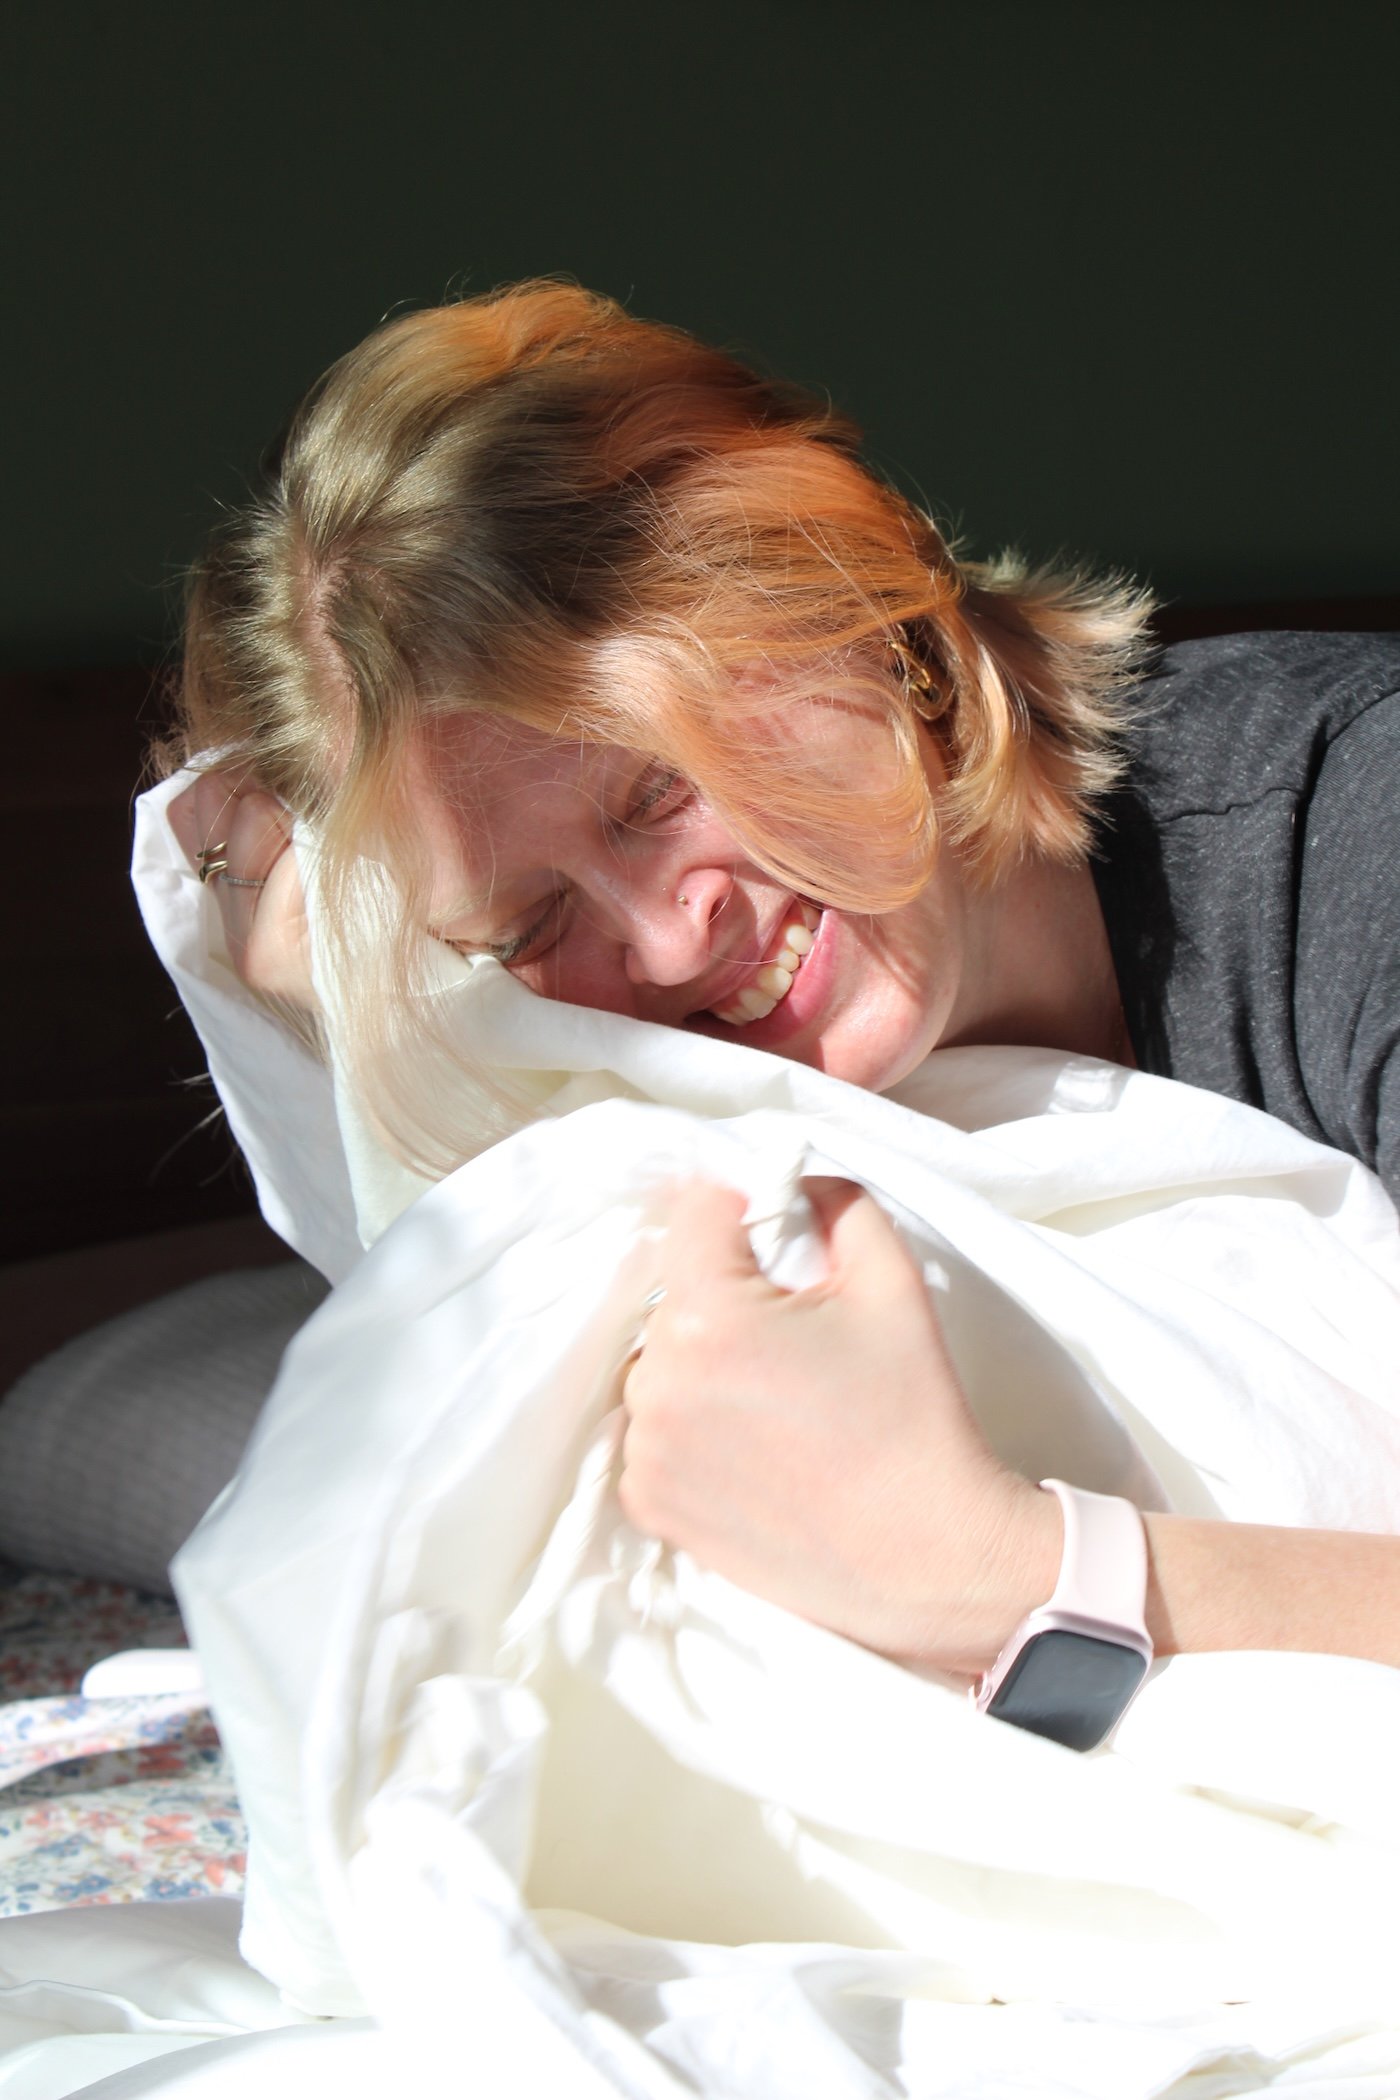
(563, 1812)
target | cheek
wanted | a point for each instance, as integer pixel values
(910, 950)
(582, 970)
(906, 982)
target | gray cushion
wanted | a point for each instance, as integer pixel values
(113, 1447)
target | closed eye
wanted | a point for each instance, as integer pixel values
(525, 946)
(520, 945)
(660, 791)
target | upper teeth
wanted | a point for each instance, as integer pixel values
(774, 981)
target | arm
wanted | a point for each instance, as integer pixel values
(815, 1447)
(1215, 1585)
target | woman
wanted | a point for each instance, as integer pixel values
(641, 684)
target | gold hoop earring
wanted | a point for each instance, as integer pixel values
(928, 699)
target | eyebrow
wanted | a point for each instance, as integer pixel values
(463, 908)
(487, 911)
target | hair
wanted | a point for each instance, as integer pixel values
(534, 505)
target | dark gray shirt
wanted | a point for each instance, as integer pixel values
(1249, 872)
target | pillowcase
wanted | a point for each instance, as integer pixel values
(113, 1447)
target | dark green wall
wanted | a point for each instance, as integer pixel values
(1116, 278)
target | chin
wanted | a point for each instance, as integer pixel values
(874, 1066)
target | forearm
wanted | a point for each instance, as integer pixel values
(1214, 1585)
(1211, 1585)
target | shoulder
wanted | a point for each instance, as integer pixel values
(1228, 721)
(1249, 871)
(1346, 994)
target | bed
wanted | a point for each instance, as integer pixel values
(103, 1800)
(496, 1904)
(111, 1448)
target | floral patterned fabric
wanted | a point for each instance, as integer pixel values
(103, 1800)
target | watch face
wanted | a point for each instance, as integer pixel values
(1068, 1686)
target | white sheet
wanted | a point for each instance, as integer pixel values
(534, 1793)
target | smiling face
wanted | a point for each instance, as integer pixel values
(600, 876)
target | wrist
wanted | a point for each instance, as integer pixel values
(1025, 1571)
(1075, 1662)
(1014, 1561)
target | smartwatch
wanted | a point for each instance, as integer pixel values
(1072, 1666)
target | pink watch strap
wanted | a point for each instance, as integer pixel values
(1103, 1569)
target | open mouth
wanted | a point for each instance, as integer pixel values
(769, 986)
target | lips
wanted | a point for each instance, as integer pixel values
(771, 982)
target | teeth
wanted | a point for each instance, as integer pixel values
(749, 1005)
(757, 1005)
(774, 981)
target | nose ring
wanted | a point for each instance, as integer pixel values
(681, 897)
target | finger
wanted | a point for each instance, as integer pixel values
(829, 1198)
(637, 1392)
(198, 816)
(275, 958)
(253, 831)
(183, 818)
(258, 831)
(866, 1257)
(215, 799)
(204, 815)
(706, 1239)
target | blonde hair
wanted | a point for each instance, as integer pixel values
(534, 505)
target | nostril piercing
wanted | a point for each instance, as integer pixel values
(681, 897)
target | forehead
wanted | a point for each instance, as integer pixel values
(495, 803)
(482, 759)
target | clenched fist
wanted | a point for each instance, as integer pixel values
(815, 1446)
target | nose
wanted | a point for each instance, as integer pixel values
(670, 934)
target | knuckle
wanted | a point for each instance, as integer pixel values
(634, 1500)
(689, 1325)
(637, 1390)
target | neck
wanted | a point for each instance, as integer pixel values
(1043, 971)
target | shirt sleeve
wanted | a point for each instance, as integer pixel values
(1347, 982)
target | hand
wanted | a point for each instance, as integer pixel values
(265, 928)
(815, 1446)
